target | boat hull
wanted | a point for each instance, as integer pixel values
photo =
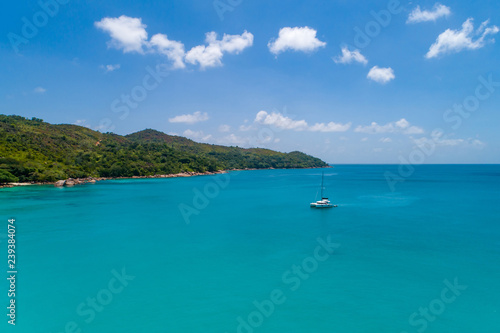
(315, 205)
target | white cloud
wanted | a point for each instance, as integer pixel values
(190, 118)
(110, 68)
(453, 41)
(245, 128)
(197, 135)
(451, 142)
(40, 90)
(418, 15)
(232, 44)
(414, 130)
(470, 142)
(233, 140)
(295, 39)
(348, 57)
(476, 142)
(330, 127)
(364, 139)
(224, 128)
(81, 122)
(127, 33)
(172, 49)
(210, 55)
(381, 75)
(278, 120)
(402, 123)
(385, 140)
(400, 126)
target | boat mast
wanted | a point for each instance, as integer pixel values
(322, 178)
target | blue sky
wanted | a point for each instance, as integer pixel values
(266, 73)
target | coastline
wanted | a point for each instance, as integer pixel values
(91, 180)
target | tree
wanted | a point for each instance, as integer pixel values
(7, 177)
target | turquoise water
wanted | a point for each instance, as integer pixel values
(256, 239)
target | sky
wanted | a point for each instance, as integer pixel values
(347, 81)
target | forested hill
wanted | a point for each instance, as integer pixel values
(33, 150)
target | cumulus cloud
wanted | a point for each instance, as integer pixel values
(381, 75)
(417, 15)
(197, 135)
(110, 68)
(210, 55)
(190, 118)
(172, 49)
(348, 57)
(224, 128)
(453, 41)
(40, 90)
(278, 120)
(296, 39)
(329, 127)
(400, 126)
(127, 33)
(233, 140)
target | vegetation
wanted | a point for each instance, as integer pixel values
(33, 150)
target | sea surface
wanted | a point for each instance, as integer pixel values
(244, 252)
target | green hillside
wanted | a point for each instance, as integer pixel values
(33, 150)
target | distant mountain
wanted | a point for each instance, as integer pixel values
(33, 150)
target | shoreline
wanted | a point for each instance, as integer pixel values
(92, 180)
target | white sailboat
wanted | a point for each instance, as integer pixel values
(324, 202)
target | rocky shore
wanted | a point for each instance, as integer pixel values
(91, 180)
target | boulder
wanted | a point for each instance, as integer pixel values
(59, 183)
(69, 182)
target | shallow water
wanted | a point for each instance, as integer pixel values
(249, 259)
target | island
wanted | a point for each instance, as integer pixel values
(33, 151)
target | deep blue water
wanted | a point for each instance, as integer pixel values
(253, 244)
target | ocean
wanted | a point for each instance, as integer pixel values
(244, 252)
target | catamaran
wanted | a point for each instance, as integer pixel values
(324, 202)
